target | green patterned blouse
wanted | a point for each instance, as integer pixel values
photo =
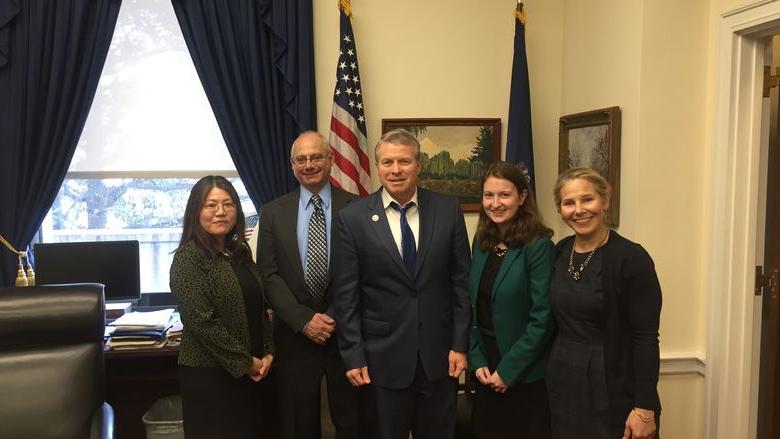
(212, 309)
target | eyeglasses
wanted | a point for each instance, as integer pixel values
(214, 207)
(316, 159)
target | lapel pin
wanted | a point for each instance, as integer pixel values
(374, 217)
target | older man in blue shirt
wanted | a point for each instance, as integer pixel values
(294, 251)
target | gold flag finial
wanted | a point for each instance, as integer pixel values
(346, 6)
(520, 13)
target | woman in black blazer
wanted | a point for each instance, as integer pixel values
(602, 374)
(511, 326)
(227, 346)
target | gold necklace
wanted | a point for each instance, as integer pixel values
(577, 274)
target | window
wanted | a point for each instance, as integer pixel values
(149, 136)
(149, 210)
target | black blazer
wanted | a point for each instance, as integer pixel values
(386, 316)
(280, 264)
(632, 301)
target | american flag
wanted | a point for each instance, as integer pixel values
(347, 139)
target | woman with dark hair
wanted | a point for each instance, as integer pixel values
(603, 371)
(227, 346)
(511, 325)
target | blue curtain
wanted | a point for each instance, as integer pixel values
(255, 59)
(51, 57)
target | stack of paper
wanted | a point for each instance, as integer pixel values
(141, 329)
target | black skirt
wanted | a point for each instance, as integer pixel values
(216, 405)
(521, 412)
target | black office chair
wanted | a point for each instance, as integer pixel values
(52, 379)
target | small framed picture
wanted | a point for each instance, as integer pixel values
(592, 140)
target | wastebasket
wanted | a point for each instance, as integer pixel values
(163, 420)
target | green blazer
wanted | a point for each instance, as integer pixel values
(522, 320)
(212, 309)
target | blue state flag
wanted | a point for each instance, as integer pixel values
(519, 140)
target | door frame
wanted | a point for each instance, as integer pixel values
(731, 380)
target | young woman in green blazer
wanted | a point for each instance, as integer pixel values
(511, 327)
(227, 346)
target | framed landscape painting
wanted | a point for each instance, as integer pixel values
(592, 140)
(454, 154)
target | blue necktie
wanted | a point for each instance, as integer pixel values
(408, 247)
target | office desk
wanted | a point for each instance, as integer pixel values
(134, 380)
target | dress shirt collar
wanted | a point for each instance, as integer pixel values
(325, 195)
(387, 199)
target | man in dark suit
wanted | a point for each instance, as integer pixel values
(294, 254)
(400, 296)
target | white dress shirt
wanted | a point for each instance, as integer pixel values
(394, 218)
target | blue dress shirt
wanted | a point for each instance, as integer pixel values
(305, 209)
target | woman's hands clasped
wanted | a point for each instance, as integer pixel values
(491, 379)
(260, 367)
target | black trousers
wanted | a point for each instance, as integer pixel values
(298, 386)
(426, 408)
(216, 405)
